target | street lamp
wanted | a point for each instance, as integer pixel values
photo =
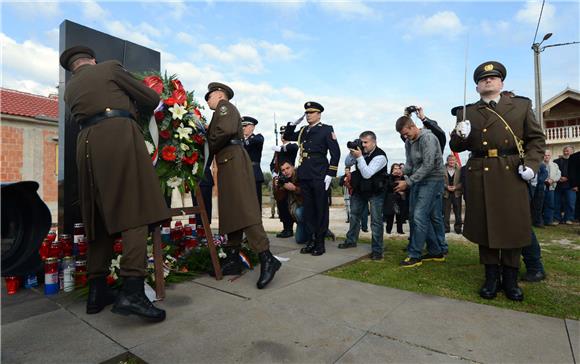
(537, 72)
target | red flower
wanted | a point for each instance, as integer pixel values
(170, 101)
(191, 160)
(155, 83)
(165, 134)
(176, 123)
(177, 85)
(197, 113)
(110, 280)
(118, 246)
(180, 96)
(168, 153)
(198, 139)
(159, 116)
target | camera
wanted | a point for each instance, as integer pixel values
(282, 179)
(411, 109)
(355, 144)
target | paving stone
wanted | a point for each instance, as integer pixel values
(333, 257)
(55, 337)
(573, 328)
(375, 349)
(477, 332)
(24, 304)
(354, 304)
(252, 333)
(245, 285)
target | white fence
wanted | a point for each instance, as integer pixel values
(563, 134)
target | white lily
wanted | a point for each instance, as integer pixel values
(174, 182)
(178, 111)
(184, 146)
(183, 132)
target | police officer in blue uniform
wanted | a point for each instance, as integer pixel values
(253, 143)
(284, 153)
(315, 171)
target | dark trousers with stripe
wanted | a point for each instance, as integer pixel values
(315, 207)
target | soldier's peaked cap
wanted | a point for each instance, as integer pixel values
(217, 86)
(313, 106)
(248, 120)
(68, 56)
(491, 68)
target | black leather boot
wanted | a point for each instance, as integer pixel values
(318, 248)
(100, 295)
(268, 267)
(133, 301)
(510, 284)
(492, 282)
(231, 265)
(308, 248)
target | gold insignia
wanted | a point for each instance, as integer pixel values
(333, 136)
(223, 110)
(308, 104)
(488, 67)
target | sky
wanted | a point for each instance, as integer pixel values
(363, 61)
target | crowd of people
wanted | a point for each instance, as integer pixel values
(505, 184)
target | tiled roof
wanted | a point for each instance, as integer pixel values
(19, 103)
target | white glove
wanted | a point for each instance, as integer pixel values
(463, 128)
(298, 121)
(276, 148)
(526, 173)
(327, 181)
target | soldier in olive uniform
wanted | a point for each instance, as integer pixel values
(254, 143)
(315, 171)
(506, 145)
(239, 211)
(119, 189)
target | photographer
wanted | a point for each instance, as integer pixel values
(287, 188)
(368, 186)
(396, 203)
(427, 124)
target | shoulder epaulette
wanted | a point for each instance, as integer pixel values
(454, 110)
(521, 97)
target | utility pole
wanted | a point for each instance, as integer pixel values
(538, 79)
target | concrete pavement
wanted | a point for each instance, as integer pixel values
(302, 317)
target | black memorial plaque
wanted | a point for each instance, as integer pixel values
(135, 58)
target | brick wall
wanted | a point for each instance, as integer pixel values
(11, 150)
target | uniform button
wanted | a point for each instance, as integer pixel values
(87, 141)
(505, 141)
(486, 169)
(469, 168)
(506, 128)
(507, 167)
(87, 155)
(485, 130)
(484, 143)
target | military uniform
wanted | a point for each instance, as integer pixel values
(254, 145)
(118, 187)
(119, 190)
(497, 215)
(315, 142)
(239, 211)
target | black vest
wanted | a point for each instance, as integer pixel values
(374, 185)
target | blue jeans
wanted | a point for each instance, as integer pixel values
(302, 234)
(567, 198)
(548, 207)
(364, 217)
(357, 204)
(426, 219)
(533, 256)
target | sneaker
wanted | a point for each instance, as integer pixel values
(433, 258)
(554, 223)
(411, 262)
(568, 222)
(346, 245)
(376, 256)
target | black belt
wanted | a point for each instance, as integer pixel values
(237, 142)
(312, 155)
(107, 114)
(494, 153)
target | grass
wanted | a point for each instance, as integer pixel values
(461, 276)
